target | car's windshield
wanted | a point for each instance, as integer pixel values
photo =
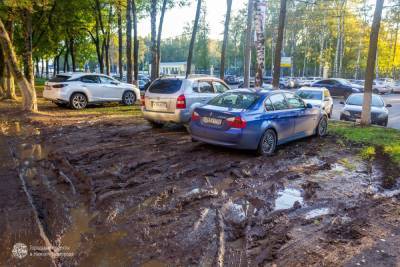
(357, 100)
(165, 86)
(239, 100)
(317, 95)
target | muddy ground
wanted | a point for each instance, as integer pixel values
(113, 191)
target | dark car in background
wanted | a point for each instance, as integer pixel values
(353, 107)
(339, 87)
(231, 79)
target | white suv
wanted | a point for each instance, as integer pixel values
(79, 89)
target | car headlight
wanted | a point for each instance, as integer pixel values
(346, 113)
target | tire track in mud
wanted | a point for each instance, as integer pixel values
(137, 181)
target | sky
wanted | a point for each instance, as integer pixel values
(176, 18)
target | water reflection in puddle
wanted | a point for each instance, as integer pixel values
(287, 197)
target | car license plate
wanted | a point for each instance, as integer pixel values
(214, 121)
(160, 105)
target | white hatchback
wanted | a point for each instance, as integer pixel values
(79, 89)
(318, 97)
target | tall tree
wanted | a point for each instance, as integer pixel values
(136, 41)
(225, 41)
(29, 102)
(278, 47)
(6, 78)
(120, 48)
(160, 27)
(193, 39)
(129, 40)
(247, 50)
(259, 22)
(371, 61)
(153, 37)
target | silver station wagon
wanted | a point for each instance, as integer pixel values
(174, 99)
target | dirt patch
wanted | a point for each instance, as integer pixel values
(117, 193)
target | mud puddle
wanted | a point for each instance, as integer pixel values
(120, 195)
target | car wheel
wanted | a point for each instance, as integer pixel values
(155, 124)
(281, 86)
(267, 143)
(128, 98)
(322, 127)
(78, 101)
(375, 91)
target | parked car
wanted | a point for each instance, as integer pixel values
(380, 87)
(318, 97)
(339, 87)
(252, 82)
(79, 89)
(396, 87)
(173, 99)
(142, 84)
(353, 107)
(231, 79)
(283, 82)
(256, 120)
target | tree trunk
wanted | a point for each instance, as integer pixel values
(66, 64)
(136, 42)
(278, 47)
(29, 102)
(2, 75)
(27, 57)
(394, 49)
(160, 26)
(247, 49)
(153, 48)
(193, 39)
(37, 72)
(9, 85)
(129, 41)
(47, 68)
(107, 41)
(371, 61)
(42, 69)
(72, 52)
(225, 41)
(119, 19)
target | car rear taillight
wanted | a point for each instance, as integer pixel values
(236, 122)
(142, 101)
(181, 102)
(61, 85)
(195, 116)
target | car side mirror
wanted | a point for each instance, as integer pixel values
(115, 83)
(389, 105)
(341, 102)
(308, 105)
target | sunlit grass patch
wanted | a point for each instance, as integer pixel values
(388, 139)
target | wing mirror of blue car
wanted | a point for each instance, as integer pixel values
(308, 105)
(389, 105)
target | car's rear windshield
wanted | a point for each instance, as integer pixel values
(357, 100)
(165, 86)
(237, 100)
(59, 78)
(317, 95)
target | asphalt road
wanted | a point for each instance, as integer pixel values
(394, 112)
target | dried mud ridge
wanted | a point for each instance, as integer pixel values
(123, 194)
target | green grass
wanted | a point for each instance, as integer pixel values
(388, 139)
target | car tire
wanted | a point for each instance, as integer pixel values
(61, 105)
(128, 98)
(267, 143)
(155, 124)
(78, 101)
(322, 127)
(375, 91)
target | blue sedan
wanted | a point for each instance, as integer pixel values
(256, 120)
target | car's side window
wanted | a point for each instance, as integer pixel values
(268, 105)
(90, 79)
(294, 102)
(279, 102)
(206, 88)
(106, 80)
(195, 87)
(219, 87)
